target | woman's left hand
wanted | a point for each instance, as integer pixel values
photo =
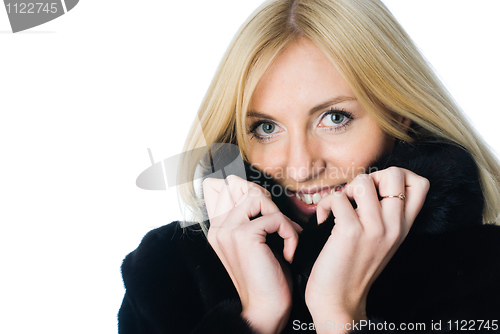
(362, 241)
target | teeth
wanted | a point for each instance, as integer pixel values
(316, 198)
(311, 199)
(307, 198)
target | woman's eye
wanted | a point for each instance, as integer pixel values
(335, 120)
(268, 127)
(264, 131)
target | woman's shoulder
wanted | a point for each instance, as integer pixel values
(173, 235)
(159, 281)
(168, 254)
(173, 280)
(174, 245)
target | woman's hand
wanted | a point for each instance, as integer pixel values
(362, 242)
(240, 243)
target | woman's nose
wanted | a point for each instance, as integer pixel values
(303, 164)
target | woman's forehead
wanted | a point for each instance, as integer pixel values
(303, 75)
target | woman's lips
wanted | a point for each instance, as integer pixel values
(306, 202)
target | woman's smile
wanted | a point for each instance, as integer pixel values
(305, 200)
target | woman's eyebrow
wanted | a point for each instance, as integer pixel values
(335, 100)
(331, 102)
(258, 114)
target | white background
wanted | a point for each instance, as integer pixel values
(84, 96)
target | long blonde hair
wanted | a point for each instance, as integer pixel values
(379, 61)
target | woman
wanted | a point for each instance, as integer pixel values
(330, 102)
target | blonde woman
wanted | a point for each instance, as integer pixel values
(369, 202)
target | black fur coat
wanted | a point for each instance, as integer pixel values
(445, 274)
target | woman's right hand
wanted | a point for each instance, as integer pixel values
(240, 243)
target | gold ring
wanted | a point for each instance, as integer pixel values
(400, 196)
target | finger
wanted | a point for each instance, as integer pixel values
(239, 187)
(324, 207)
(218, 200)
(221, 196)
(211, 191)
(362, 189)
(415, 191)
(277, 222)
(255, 202)
(391, 182)
(339, 204)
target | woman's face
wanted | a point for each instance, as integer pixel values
(306, 128)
